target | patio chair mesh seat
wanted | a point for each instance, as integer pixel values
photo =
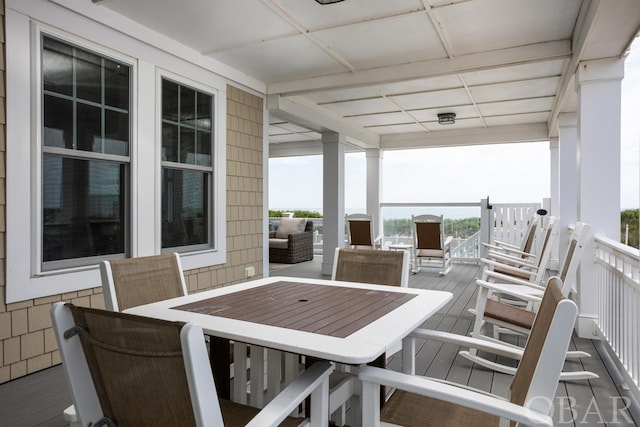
(412, 410)
(138, 371)
(162, 271)
(367, 266)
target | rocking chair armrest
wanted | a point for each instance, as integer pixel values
(447, 241)
(511, 252)
(316, 377)
(510, 259)
(470, 342)
(509, 290)
(506, 267)
(454, 394)
(505, 278)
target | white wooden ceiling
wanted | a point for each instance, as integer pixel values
(379, 71)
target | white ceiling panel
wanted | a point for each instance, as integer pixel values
(516, 107)
(349, 94)
(421, 85)
(293, 57)
(366, 106)
(516, 90)
(367, 45)
(381, 119)
(485, 25)
(315, 16)
(397, 129)
(435, 99)
(516, 73)
(516, 119)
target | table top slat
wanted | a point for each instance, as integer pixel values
(324, 309)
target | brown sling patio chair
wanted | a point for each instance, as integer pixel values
(128, 370)
(526, 248)
(361, 232)
(430, 243)
(422, 402)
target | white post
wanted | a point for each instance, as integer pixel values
(374, 180)
(599, 109)
(568, 209)
(486, 227)
(554, 157)
(333, 197)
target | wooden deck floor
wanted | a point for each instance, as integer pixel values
(39, 399)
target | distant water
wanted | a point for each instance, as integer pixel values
(399, 213)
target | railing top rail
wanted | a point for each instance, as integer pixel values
(617, 247)
(426, 204)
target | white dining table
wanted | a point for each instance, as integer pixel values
(343, 322)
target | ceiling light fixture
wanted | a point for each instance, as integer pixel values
(447, 118)
(328, 1)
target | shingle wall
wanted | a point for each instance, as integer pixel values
(27, 343)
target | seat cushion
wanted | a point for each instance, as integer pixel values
(510, 314)
(289, 226)
(279, 243)
(429, 253)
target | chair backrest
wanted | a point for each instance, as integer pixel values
(573, 255)
(135, 370)
(136, 281)
(360, 230)
(366, 266)
(536, 379)
(529, 237)
(548, 236)
(428, 231)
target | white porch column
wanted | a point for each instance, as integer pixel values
(374, 184)
(332, 197)
(554, 158)
(568, 157)
(599, 108)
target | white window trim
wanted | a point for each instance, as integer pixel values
(24, 279)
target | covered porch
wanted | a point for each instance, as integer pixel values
(39, 399)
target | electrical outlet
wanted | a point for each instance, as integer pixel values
(249, 272)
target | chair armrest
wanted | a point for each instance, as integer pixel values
(505, 278)
(465, 341)
(510, 259)
(501, 245)
(506, 267)
(313, 380)
(447, 241)
(300, 238)
(451, 393)
(509, 290)
(511, 252)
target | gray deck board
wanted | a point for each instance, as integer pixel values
(40, 398)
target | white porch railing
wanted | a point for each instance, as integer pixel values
(618, 323)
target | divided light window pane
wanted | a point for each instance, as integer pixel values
(187, 172)
(85, 155)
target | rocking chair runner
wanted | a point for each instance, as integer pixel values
(430, 243)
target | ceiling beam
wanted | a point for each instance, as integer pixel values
(309, 115)
(424, 69)
(302, 148)
(460, 137)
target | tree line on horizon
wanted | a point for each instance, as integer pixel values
(468, 226)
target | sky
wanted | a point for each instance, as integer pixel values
(459, 174)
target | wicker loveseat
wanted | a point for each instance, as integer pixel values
(292, 242)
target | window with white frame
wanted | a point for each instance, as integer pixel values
(187, 168)
(85, 155)
(91, 175)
